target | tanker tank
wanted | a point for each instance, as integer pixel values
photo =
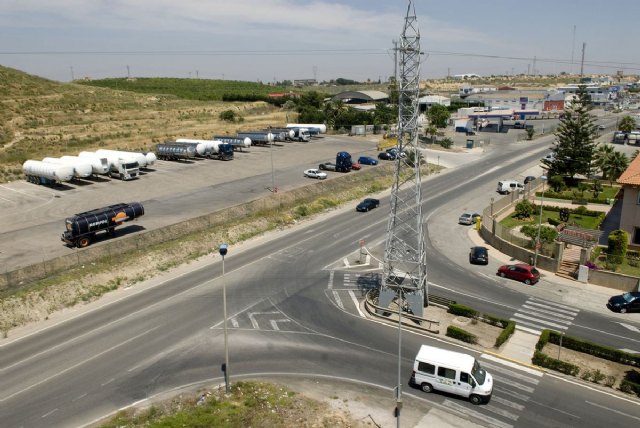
(38, 172)
(81, 169)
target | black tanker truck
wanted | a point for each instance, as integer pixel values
(82, 228)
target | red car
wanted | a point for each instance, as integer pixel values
(520, 272)
(355, 166)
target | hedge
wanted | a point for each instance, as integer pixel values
(543, 360)
(629, 387)
(553, 195)
(462, 310)
(460, 334)
(581, 210)
(594, 349)
(506, 333)
(544, 338)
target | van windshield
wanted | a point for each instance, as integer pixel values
(478, 373)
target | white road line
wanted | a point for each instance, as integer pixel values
(511, 393)
(246, 308)
(512, 365)
(356, 303)
(107, 382)
(274, 323)
(501, 412)
(568, 309)
(544, 316)
(234, 322)
(49, 413)
(507, 403)
(528, 330)
(555, 314)
(252, 316)
(630, 327)
(630, 351)
(539, 321)
(336, 296)
(503, 373)
(540, 327)
(331, 279)
(475, 414)
(79, 397)
(93, 357)
(613, 410)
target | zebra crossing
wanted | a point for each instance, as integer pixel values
(513, 387)
(538, 314)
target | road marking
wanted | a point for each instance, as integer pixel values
(274, 323)
(630, 351)
(331, 279)
(337, 299)
(555, 314)
(355, 302)
(234, 322)
(93, 357)
(507, 403)
(505, 372)
(246, 308)
(613, 410)
(108, 382)
(252, 318)
(79, 397)
(527, 329)
(475, 414)
(512, 394)
(512, 365)
(537, 320)
(502, 412)
(543, 317)
(546, 304)
(630, 327)
(49, 414)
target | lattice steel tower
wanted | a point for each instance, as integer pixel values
(405, 270)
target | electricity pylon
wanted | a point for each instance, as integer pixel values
(405, 271)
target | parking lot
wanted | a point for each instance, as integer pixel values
(32, 216)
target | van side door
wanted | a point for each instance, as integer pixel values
(447, 380)
(464, 386)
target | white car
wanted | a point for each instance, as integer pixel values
(315, 173)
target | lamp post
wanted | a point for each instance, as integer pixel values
(535, 256)
(223, 252)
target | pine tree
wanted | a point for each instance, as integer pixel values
(575, 142)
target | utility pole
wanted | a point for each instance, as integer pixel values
(573, 47)
(584, 46)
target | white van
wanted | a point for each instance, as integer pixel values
(452, 372)
(508, 186)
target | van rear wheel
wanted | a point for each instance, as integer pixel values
(426, 387)
(475, 399)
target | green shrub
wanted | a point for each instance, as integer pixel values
(610, 381)
(506, 333)
(581, 210)
(446, 143)
(524, 209)
(462, 310)
(228, 116)
(496, 321)
(460, 334)
(617, 246)
(553, 222)
(600, 351)
(544, 338)
(544, 360)
(629, 387)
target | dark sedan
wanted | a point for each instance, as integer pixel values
(627, 302)
(386, 156)
(368, 204)
(366, 160)
(479, 256)
(520, 272)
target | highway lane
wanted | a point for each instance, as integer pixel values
(173, 335)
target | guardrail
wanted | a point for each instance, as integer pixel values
(417, 322)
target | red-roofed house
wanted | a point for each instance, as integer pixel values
(630, 215)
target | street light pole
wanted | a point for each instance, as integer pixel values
(223, 252)
(535, 256)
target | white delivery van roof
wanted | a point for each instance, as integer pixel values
(450, 359)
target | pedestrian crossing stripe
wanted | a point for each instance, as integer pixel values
(544, 317)
(507, 403)
(512, 365)
(535, 322)
(512, 393)
(540, 310)
(528, 330)
(497, 369)
(560, 306)
(474, 414)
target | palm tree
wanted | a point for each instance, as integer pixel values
(627, 124)
(601, 158)
(616, 165)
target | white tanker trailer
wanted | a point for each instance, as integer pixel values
(38, 172)
(81, 168)
(203, 147)
(127, 156)
(320, 126)
(119, 166)
(98, 165)
(236, 142)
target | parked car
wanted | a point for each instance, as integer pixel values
(366, 160)
(602, 127)
(386, 156)
(315, 173)
(520, 272)
(328, 166)
(368, 204)
(479, 256)
(519, 125)
(356, 166)
(394, 151)
(529, 179)
(623, 303)
(466, 218)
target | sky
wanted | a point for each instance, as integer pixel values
(275, 40)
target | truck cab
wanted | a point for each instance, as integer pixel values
(125, 169)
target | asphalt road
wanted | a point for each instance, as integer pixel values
(284, 317)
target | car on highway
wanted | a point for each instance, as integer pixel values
(479, 256)
(368, 204)
(366, 160)
(386, 156)
(327, 166)
(356, 166)
(315, 173)
(623, 303)
(520, 272)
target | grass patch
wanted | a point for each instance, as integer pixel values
(583, 221)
